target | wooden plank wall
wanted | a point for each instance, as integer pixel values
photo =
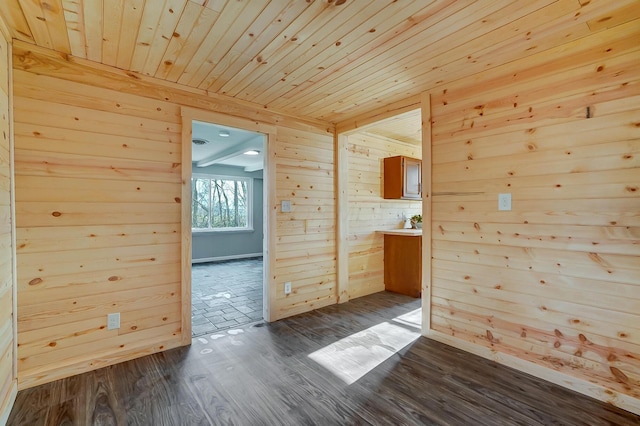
(306, 237)
(98, 156)
(555, 281)
(98, 220)
(7, 314)
(369, 211)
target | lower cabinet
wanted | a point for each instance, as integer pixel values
(403, 264)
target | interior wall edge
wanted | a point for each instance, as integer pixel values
(186, 249)
(7, 403)
(582, 386)
(427, 197)
(386, 111)
(37, 59)
(8, 364)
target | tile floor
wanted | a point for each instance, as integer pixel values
(225, 294)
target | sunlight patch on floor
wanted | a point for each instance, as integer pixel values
(354, 356)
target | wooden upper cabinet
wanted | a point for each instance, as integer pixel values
(402, 178)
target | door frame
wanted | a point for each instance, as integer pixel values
(421, 101)
(269, 208)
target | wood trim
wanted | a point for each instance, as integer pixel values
(188, 116)
(571, 382)
(14, 264)
(426, 213)
(185, 226)
(342, 217)
(269, 227)
(7, 401)
(379, 114)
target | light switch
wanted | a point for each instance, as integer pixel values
(504, 202)
(285, 206)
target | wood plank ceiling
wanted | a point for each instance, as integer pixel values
(330, 60)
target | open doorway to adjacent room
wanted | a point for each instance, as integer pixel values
(381, 253)
(227, 211)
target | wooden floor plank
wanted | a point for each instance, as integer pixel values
(266, 374)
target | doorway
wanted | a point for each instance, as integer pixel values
(227, 227)
(369, 212)
(226, 239)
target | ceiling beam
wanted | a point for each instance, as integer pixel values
(233, 151)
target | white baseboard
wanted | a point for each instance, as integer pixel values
(232, 257)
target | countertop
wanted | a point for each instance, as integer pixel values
(407, 232)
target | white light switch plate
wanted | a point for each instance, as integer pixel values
(113, 321)
(285, 206)
(504, 202)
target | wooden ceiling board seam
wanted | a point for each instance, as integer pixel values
(400, 35)
(394, 59)
(111, 23)
(217, 43)
(92, 15)
(428, 66)
(562, 89)
(238, 82)
(376, 115)
(211, 77)
(74, 17)
(200, 55)
(193, 13)
(48, 62)
(356, 40)
(461, 67)
(619, 16)
(32, 11)
(166, 27)
(511, 73)
(131, 17)
(5, 29)
(313, 40)
(54, 14)
(222, 61)
(203, 26)
(501, 48)
(149, 23)
(16, 21)
(261, 32)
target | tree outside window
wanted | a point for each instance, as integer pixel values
(220, 203)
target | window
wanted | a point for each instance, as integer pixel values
(220, 203)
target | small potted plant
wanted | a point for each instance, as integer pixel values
(416, 221)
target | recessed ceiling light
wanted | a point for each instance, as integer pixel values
(252, 152)
(223, 134)
(199, 141)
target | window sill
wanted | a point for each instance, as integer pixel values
(222, 231)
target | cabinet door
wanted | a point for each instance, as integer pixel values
(412, 187)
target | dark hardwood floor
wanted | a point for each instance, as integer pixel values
(317, 368)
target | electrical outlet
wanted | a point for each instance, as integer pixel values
(504, 202)
(113, 321)
(287, 287)
(285, 206)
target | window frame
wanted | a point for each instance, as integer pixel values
(248, 180)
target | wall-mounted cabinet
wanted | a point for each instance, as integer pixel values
(402, 178)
